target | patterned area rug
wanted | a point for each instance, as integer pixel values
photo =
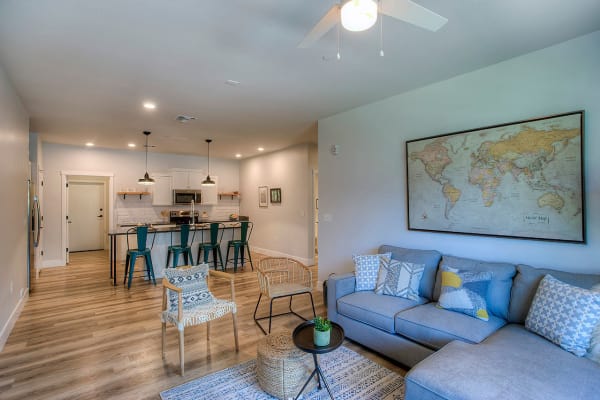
(349, 375)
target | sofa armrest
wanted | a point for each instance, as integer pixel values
(338, 285)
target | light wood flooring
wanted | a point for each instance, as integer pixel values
(79, 337)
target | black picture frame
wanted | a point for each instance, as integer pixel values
(276, 195)
(490, 180)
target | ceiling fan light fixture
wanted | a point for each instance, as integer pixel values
(359, 15)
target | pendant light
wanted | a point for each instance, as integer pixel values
(146, 180)
(208, 181)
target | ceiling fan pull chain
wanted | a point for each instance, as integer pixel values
(381, 53)
(339, 35)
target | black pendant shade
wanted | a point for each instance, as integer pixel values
(208, 181)
(146, 180)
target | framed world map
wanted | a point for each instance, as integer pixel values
(521, 179)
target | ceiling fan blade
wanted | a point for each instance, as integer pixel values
(408, 11)
(329, 20)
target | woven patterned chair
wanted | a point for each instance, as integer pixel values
(188, 302)
(282, 277)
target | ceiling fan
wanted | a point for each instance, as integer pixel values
(360, 15)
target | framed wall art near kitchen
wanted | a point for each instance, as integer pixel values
(520, 179)
(263, 196)
(276, 195)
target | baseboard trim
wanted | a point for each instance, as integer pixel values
(14, 316)
(274, 253)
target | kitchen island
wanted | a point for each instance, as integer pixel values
(166, 235)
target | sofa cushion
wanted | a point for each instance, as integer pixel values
(526, 283)
(435, 327)
(373, 309)
(430, 258)
(564, 314)
(498, 295)
(399, 278)
(366, 269)
(511, 364)
(465, 292)
(594, 350)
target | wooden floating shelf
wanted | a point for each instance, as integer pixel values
(231, 194)
(125, 194)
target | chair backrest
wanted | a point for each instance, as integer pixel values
(192, 279)
(281, 270)
(142, 236)
(185, 234)
(242, 230)
(216, 232)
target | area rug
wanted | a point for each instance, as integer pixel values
(349, 375)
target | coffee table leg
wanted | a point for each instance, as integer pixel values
(308, 380)
(320, 376)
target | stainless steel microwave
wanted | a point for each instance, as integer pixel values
(186, 196)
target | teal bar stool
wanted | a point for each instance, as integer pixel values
(141, 251)
(215, 230)
(239, 244)
(184, 247)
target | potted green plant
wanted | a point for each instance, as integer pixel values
(322, 331)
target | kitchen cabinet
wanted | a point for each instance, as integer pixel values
(187, 179)
(210, 194)
(162, 190)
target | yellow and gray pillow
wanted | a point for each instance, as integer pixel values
(465, 292)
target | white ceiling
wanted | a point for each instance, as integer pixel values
(83, 67)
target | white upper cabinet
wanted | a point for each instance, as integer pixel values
(210, 194)
(187, 179)
(162, 190)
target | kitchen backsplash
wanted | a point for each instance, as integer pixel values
(133, 210)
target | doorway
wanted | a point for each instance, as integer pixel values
(316, 209)
(86, 185)
(86, 213)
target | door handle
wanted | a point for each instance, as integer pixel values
(70, 222)
(99, 216)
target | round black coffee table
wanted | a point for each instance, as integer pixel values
(303, 339)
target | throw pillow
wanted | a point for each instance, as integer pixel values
(564, 314)
(593, 352)
(366, 268)
(465, 292)
(193, 282)
(399, 278)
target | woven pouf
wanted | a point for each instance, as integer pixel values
(281, 367)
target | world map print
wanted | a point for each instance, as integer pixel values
(521, 179)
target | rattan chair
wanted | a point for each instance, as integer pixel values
(282, 277)
(188, 302)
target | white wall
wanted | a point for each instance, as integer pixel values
(284, 229)
(363, 190)
(14, 153)
(127, 166)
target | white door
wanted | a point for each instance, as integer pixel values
(86, 216)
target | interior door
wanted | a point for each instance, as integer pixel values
(86, 216)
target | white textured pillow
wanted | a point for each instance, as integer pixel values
(399, 278)
(593, 352)
(366, 268)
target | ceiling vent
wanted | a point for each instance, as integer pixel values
(184, 118)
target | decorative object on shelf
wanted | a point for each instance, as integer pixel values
(276, 195)
(522, 179)
(125, 194)
(322, 331)
(208, 181)
(204, 216)
(146, 180)
(263, 200)
(233, 217)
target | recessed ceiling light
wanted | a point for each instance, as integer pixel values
(238, 155)
(131, 144)
(149, 105)
(89, 144)
(231, 82)
(261, 149)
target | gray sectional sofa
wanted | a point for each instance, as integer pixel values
(455, 356)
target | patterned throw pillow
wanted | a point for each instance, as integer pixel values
(366, 268)
(593, 352)
(193, 282)
(564, 314)
(399, 278)
(465, 292)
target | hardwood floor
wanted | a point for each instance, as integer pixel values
(78, 337)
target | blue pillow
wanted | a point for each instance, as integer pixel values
(465, 292)
(366, 268)
(564, 314)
